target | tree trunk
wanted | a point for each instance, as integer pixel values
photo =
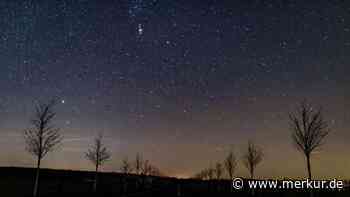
(252, 173)
(308, 166)
(36, 184)
(309, 172)
(95, 182)
(252, 177)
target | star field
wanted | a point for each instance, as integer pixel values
(179, 81)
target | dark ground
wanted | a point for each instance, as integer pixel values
(18, 182)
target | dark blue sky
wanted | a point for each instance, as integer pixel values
(179, 81)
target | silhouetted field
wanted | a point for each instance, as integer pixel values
(53, 183)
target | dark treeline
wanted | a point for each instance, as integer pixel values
(79, 183)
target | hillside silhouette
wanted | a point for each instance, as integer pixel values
(16, 181)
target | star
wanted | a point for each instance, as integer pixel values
(140, 29)
(146, 69)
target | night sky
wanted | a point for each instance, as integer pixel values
(181, 82)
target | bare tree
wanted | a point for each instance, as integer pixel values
(149, 169)
(309, 130)
(126, 167)
(252, 158)
(98, 155)
(210, 173)
(43, 137)
(201, 175)
(145, 168)
(218, 170)
(230, 164)
(138, 164)
(154, 171)
(205, 174)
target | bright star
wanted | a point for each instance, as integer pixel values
(140, 29)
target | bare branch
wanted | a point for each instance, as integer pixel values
(230, 164)
(144, 167)
(311, 135)
(252, 157)
(138, 163)
(126, 166)
(309, 130)
(218, 170)
(98, 153)
(43, 137)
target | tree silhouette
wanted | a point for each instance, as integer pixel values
(145, 169)
(210, 173)
(218, 170)
(149, 169)
(43, 137)
(154, 171)
(252, 158)
(309, 130)
(138, 164)
(126, 167)
(200, 175)
(230, 164)
(98, 155)
(205, 174)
